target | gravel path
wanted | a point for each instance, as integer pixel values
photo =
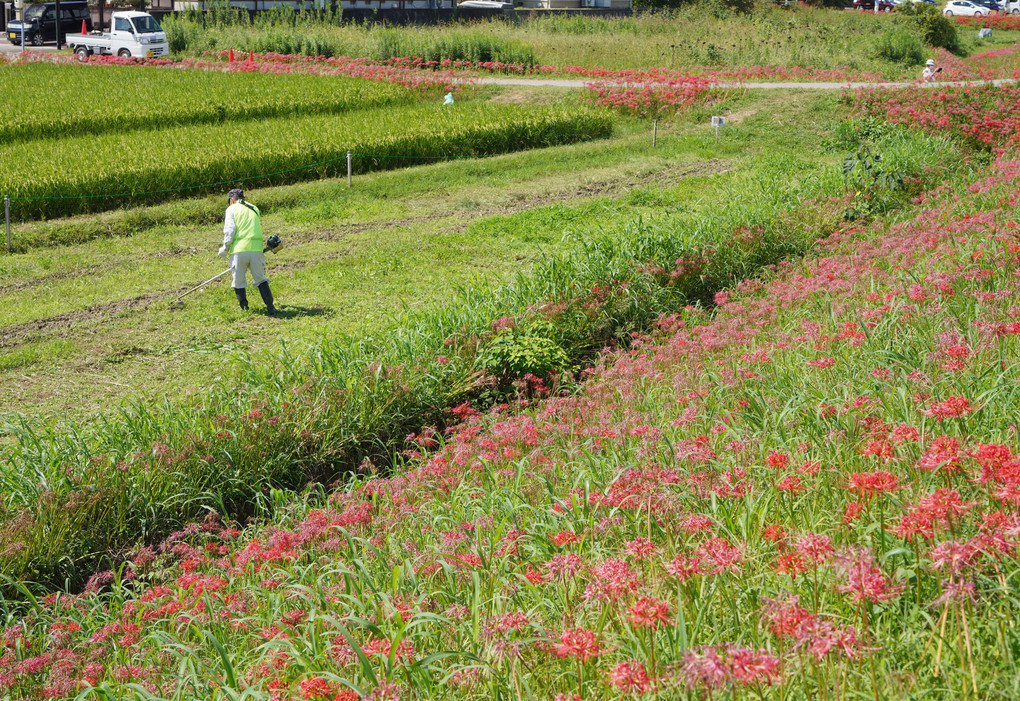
(564, 83)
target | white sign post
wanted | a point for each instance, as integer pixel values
(718, 122)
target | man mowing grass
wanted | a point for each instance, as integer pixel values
(242, 238)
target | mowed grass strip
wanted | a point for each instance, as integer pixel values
(69, 176)
(41, 100)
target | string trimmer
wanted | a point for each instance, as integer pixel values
(273, 244)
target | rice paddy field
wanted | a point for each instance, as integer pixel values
(549, 410)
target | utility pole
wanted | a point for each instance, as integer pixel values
(19, 5)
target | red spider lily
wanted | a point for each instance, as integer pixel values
(649, 612)
(717, 555)
(579, 643)
(631, 678)
(955, 558)
(952, 407)
(821, 638)
(784, 616)
(611, 580)
(791, 484)
(564, 538)
(683, 568)
(776, 533)
(864, 580)
(815, 549)
(870, 484)
(640, 548)
(790, 563)
(717, 667)
(943, 455)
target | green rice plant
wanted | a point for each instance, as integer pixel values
(44, 100)
(94, 173)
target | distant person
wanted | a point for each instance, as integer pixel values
(242, 240)
(930, 72)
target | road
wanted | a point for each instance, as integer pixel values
(8, 49)
(563, 83)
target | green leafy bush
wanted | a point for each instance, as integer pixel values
(936, 30)
(516, 352)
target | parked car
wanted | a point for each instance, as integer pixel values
(990, 5)
(869, 5)
(965, 8)
(1012, 7)
(488, 4)
(40, 23)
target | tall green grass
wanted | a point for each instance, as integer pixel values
(695, 34)
(273, 33)
(88, 174)
(75, 498)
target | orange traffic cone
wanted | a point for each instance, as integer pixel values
(83, 29)
(251, 57)
(230, 55)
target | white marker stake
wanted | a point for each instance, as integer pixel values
(718, 122)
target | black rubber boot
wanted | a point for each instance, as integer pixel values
(267, 297)
(242, 297)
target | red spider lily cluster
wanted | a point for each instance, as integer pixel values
(632, 537)
(984, 115)
(642, 75)
(995, 21)
(411, 78)
(649, 98)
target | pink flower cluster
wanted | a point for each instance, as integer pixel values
(985, 115)
(996, 21)
(648, 97)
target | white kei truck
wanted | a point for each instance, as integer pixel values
(136, 34)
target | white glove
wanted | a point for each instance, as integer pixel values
(223, 251)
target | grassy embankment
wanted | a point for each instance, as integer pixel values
(312, 413)
(702, 37)
(808, 492)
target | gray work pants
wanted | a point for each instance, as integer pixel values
(241, 263)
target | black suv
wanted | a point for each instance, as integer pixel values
(40, 23)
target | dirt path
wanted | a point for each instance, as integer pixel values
(565, 83)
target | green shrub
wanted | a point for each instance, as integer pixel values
(936, 30)
(516, 352)
(900, 46)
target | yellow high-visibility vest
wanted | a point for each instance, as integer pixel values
(248, 220)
